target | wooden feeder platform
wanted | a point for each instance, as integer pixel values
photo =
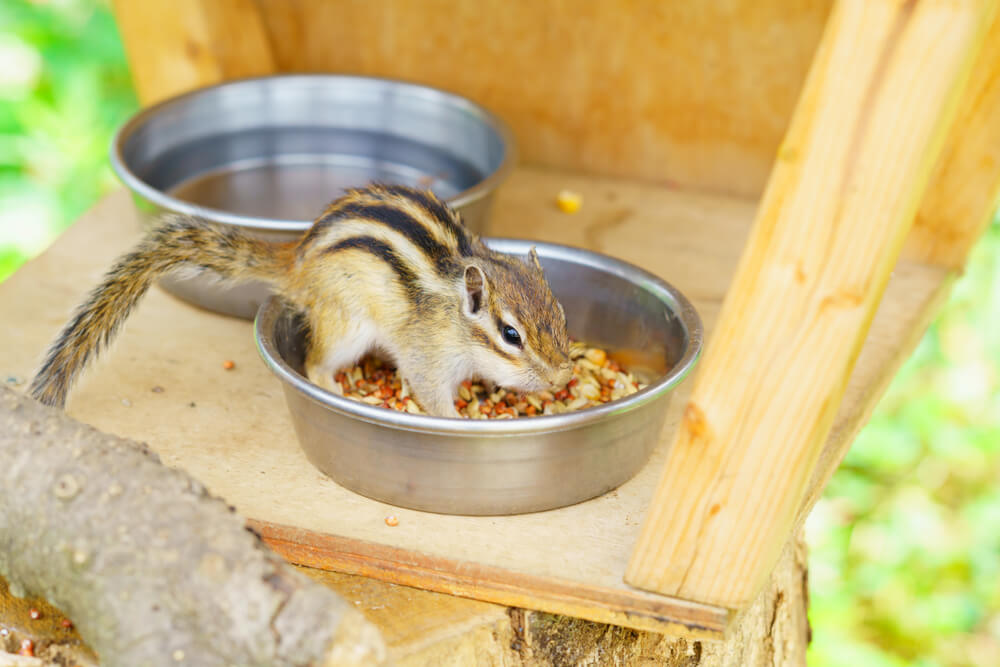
(815, 214)
(231, 430)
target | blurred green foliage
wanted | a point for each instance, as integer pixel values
(905, 545)
(64, 88)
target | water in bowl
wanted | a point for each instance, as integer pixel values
(293, 173)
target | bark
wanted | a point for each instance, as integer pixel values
(151, 568)
(772, 632)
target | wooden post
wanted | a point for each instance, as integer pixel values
(960, 201)
(176, 45)
(849, 177)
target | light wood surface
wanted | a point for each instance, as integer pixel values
(697, 93)
(419, 624)
(962, 195)
(958, 204)
(176, 45)
(849, 178)
(231, 428)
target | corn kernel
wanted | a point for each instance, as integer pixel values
(568, 201)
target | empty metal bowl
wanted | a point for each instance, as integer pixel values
(482, 467)
(268, 154)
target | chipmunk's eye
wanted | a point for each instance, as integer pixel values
(510, 335)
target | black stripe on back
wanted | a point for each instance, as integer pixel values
(404, 223)
(317, 228)
(439, 210)
(383, 251)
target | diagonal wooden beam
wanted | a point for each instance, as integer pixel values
(849, 177)
(958, 204)
(962, 195)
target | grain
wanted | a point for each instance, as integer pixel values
(597, 379)
(568, 201)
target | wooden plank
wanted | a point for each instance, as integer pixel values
(698, 93)
(856, 408)
(849, 178)
(961, 197)
(237, 439)
(176, 45)
(634, 609)
(424, 628)
(958, 204)
(416, 624)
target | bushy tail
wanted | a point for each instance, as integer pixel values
(179, 242)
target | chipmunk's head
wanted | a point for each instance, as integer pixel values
(516, 327)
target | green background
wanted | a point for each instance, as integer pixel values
(905, 544)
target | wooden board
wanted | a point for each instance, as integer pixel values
(850, 176)
(698, 93)
(230, 429)
(424, 628)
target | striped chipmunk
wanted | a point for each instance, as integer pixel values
(384, 267)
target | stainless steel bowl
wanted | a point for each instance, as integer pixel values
(268, 154)
(460, 466)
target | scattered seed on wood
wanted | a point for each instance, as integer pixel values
(229, 364)
(157, 389)
(569, 201)
(127, 403)
(391, 520)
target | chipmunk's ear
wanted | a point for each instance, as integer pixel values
(475, 289)
(534, 258)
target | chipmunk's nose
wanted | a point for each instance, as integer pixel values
(562, 375)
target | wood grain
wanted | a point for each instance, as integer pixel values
(697, 93)
(850, 175)
(958, 204)
(414, 622)
(231, 428)
(174, 46)
(961, 197)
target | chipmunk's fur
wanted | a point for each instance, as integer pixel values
(384, 267)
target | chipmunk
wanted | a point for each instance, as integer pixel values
(384, 267)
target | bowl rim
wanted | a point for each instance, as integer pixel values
(160, 198)
(275, 307)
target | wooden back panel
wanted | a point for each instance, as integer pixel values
(693, 93)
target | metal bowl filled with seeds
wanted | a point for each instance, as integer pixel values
(635, 338)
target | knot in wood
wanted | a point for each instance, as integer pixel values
(696, 423)
(66, 487)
